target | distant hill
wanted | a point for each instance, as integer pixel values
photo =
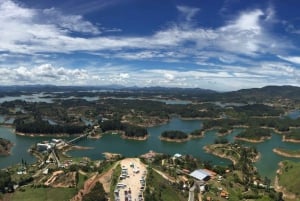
(268, 92)
(243, 95)
(54, 88)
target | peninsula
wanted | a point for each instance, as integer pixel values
(5, 146)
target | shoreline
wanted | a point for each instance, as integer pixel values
(45, 134)
(224, 134)
(110, 156)
(283, 153)
(174, 140)
(289, 140)
(262, 139)
(208, 150)
(232, 159)
(135, 138)
(123, 136)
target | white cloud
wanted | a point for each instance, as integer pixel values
(30, 33)
(218, 78)
(169, 76)
(40, 33)
(291, 59)
(124, 75)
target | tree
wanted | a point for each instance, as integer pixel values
(97, 193)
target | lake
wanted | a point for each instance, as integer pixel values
(266, 166)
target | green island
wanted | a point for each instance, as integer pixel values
(114, 111)
(5, 146)
(254, 134)
(292, 136)
(175, 136)
(180, 136)
(285, 179)
(287, 152)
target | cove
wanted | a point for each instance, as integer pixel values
(267, 165)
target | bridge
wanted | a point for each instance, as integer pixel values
(77, 138)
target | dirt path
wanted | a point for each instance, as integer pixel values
(104, 178)
(166, 177)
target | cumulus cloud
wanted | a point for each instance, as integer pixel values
(221, 57)
(218, 77)
(25, 31)
(45, 73)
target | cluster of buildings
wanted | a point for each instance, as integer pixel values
(49, 145)
(200, 177)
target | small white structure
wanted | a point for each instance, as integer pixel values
(56, 140)
(201, 175)
(177, 155)
(46, 171)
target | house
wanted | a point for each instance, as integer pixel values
(43, 147)
(201, 175)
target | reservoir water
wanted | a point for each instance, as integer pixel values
(267, 165)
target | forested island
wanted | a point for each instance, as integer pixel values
(174, 136)
(254, 134)
(127, 130)
(5, 146)
(287, 153)
(139, 108)
(41, 127)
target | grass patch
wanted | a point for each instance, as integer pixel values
(114, 180)
(158, 189)
(81, 179)
(44, 194)
(290, 170)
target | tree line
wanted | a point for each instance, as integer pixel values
(41, 127)
(129, 130)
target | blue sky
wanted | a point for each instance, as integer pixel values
(221, 45)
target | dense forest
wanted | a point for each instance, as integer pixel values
(43, 127)
(280, 124)
(293, 134)
(130, 130)
(144, 107)
(174, 135)
(255, 133)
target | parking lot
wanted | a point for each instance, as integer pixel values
(132, 181)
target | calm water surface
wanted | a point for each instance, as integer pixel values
(267, 165)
